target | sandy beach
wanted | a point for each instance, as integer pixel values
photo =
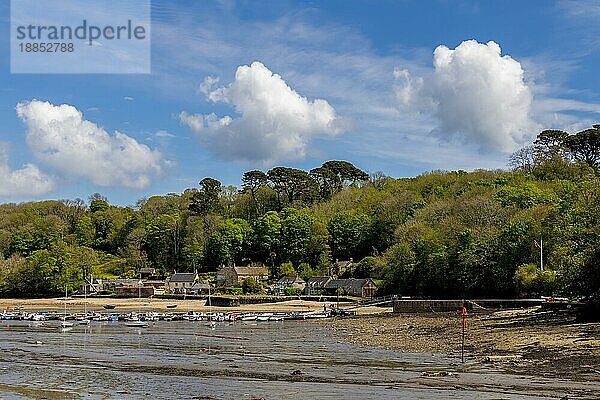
(522, 341)
(160, 305)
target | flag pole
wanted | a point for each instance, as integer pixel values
(541, 254)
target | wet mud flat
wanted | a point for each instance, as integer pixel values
(527, 341)
(279, 360)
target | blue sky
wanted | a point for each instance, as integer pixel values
(316, 80)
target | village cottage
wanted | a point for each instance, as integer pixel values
(294, 282)
(200, 288)
(365, 288)
(233, 276)
(182, 282)
(315, 285)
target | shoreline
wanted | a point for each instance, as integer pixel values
(77, 304)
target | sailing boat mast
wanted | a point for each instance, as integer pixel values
(64, 324)
(84, 297)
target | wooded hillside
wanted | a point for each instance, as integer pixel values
(441, 234)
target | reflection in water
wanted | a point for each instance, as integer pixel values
(271, 360)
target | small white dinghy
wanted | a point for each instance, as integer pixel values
(66, 324)
(264, 316)
(137, 324)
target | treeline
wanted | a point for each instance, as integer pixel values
(441, 234)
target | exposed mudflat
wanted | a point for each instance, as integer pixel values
(270, 360)
(528, 341)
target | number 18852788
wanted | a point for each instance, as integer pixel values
(56, 47)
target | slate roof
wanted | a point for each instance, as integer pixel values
(291, 280)
(251, 271)
(349, 285)
(151, 271)
(318, 282)
(183, 277)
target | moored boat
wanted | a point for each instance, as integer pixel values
(66, 324)
(316, 315)
(264, 316)
(137, 324)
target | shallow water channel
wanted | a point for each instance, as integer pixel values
(271, 360)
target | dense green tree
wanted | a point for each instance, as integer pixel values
(99, 205)
(305, 271)
(365, 268)
(206, 199)
(585, 146)
(551, 142)
(163, 240)
(350, 232)
(397, 269)
(531, 281)
(226, 245)
(267, 235)
(329, 183)
(193, 254)
(296, 229)
(85, 231)
(252, 181)
(251, 286)
(286, 269)
(5, 239)
(346, 172)
(293, 185)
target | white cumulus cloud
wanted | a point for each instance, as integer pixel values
(60, 137)
(27, 181)
(475, 93)
(275, 123)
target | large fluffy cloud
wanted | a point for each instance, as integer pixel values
(27, 181)
(62, 139)
(475, 93)
(275, 123)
